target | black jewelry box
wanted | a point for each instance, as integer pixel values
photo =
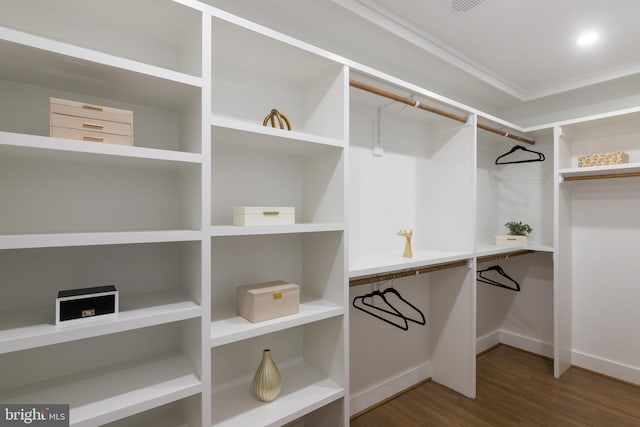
(79, 304)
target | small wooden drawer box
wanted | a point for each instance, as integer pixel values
(603, 159)
(78, 304)
(88, 122)
(255, 215)
(508, 240)
(268, 300)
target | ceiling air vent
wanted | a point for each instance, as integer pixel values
(464, 5)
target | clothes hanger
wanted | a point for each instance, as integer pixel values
(501, 272)
(540, 157)
(402, 321)
(393, 291)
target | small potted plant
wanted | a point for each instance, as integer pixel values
(517, 235)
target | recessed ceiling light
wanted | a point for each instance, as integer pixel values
(587, 38)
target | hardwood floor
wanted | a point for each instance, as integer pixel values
(514, 388)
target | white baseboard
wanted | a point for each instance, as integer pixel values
(522, 342)
(606, 367)
(532, 345)
(488, 341)
(362, 400)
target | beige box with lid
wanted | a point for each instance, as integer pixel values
(89, 122)
(262, 215)
(268, 300)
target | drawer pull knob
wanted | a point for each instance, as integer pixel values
(92, 125)
(92, 107)
(93, 138)
(277, 295)
(270, 213)
(89, 312)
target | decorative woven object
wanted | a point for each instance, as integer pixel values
(603, 159)
(275, 114)
(267, 382)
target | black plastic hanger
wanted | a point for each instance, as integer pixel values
(500, 271)
(402, 321)
(421, 321)
(540, 157)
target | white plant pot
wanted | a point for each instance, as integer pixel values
(508, 240)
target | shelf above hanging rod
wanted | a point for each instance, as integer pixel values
(412, 102)
(359, 281)
(603, 176)
(504, 255)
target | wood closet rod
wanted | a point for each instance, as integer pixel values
(359, 281)
(503, 256)
(605, 176)
(408, 101)
(417, 104)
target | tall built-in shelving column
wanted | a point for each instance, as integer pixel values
(77, 214)
(598, 237)
(254, 71)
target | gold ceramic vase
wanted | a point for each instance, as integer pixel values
(267, 382)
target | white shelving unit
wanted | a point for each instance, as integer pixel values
(597, 239)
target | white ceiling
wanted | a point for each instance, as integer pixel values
(525, 48)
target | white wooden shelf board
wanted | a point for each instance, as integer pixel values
(36, 327)
(304, 389)
(115, 392)
(52, 240)
(228, 327)
(235, 230)
(600, 170)
(487, 249)
(44, 147)
(112, 77)
(392, 261)
(253, 135)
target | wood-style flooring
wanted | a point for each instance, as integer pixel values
(514, 388)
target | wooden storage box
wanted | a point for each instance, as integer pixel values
(256, 215)
(79, 304)
(603, 159)
(88, 122)
(268, 300)
(508, 240)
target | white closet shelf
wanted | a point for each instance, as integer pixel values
(53, 240)
(235, 230)
(108, 394)
(30, 328)
(45, 147)
(488, 249)
(304, 389)
(253, 135)
(227, 327)
(67, 68)
(392, 261)
(600, 170)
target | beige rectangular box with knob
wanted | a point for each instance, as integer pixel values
(89, 122)
(268, 300)
(261, 215)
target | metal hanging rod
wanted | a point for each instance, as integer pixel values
(503, 256)
(359, 281)
(604, 176)
(417, 104)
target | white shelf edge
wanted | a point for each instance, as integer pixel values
(236, 230)
(52, 240)
(97, 57)
(143, 385)
(38, 142)
(489, 250)
(242, 126)
(231, 328)
(394, 262)
(600, 170)
(304, 389)
(137, 311)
